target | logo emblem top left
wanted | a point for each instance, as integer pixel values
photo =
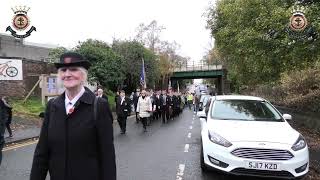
(20, 22)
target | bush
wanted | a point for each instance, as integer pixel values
(301, 82)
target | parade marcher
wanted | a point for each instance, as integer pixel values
(175, 103)
(122, 109)
(189, 100)
(117, 96)
(2, 127)
(101, 95)
(144, 107)
(196, 101)
(8, 115)
(163, 106)
(169, 110)
(135, 99)
(150, 94)
(76, 138)
(157, 112)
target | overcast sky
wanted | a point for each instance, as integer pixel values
(65, 22)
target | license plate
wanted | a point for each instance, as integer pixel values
(263, 166)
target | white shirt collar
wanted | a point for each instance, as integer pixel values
(74, 100)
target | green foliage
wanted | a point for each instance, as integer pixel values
(31, 108)
(251, 38)
(54, 54)
(107, 67)
(296, 89)
(132, 52)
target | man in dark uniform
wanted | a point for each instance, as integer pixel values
(157, 113)
(176, 104)
(135, 102)
(101, 94)
(163, 105)
(2, 127)
(169, 108)
(122, 109)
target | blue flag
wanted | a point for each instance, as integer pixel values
(143, 76)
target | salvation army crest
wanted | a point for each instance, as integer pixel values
(298, 21)
(298, 27)
(20, 23)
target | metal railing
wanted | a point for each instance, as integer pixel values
(196, 66)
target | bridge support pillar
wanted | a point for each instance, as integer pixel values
(220, 85)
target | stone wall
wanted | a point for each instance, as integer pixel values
(13, 47)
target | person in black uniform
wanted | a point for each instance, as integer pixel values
(135, 99)
(163, 106)
(2, 127)
(76, 138)
(169, 108)
(101, 94)
(8, 115)
(122, 109)
(176, 104)
(157, 113)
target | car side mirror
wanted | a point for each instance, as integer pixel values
(201, 114)
(287, 117)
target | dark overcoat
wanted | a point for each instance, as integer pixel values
(75, 146)
(123, 108)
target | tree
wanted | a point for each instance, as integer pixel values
(107, 67)
(165, 69)
(251, 37)
(149, 35)
(132, 52)
(54, 54)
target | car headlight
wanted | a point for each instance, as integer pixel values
(217, 139)
(299, 144)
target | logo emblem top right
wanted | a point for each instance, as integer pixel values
(298, 21)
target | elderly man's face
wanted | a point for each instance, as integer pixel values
(72, 77)
(100, 92)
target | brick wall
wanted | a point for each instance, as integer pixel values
(31, 72)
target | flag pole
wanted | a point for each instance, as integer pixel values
(144, 75)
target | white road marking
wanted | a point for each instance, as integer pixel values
(186, 148)
(191, 122)
(189, 135)
(190, 127)
(180, 172)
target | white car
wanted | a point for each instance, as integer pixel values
(246, 135)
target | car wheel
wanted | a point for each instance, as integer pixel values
(202, 164)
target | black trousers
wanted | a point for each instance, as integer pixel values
(144, 121)
(122, 120)
(163, 115)
(9, 129)
(1, 141)
(137, 117)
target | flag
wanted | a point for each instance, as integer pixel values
(143, 76)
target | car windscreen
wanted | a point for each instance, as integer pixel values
(247, 110)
